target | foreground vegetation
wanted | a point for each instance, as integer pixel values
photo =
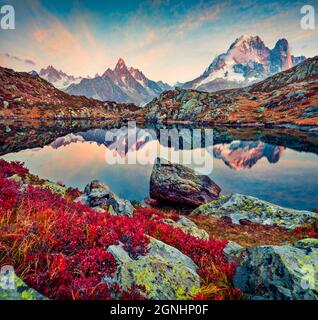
(59, 247)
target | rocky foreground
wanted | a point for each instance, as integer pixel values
(64, 242)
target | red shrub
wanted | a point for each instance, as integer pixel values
(9, 195)
(7, 169)
(60, 247)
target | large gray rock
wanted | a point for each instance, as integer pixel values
(13, 288)
(165, 272)
(98, 196)
(287, 272)
(175, 183)
(238, 206)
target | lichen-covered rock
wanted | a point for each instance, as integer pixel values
(287, 272)
(17, 289)
(175, 183)
(232, 250)
(165, 272)
(97, 193)
(55, 187)
(237, 207)
(98, 196)
(188, 226)
(120, 206)
(16, 178)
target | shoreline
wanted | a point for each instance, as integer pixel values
(309, 128)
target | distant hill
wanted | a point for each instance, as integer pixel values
(27, 95)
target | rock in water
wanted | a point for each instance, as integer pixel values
(239, 207)
(165, 272)
(279, 272)
(175, 183)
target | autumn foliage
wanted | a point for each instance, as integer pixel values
(59, 247)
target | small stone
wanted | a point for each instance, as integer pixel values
(5, 104)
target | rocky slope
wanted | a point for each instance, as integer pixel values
(122, 84)
(27, 95)
(247, 60)
(287, 97)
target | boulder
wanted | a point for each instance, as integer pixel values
(120, 206)
(175, 183)
(97, 193)
(54, 187)
(239, 207)
(311, 112)
(14, 288)
(279, 272)
(232, 251)
(188, 226)
(98, 196)
(165, 272)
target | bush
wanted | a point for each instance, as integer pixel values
(59, 247)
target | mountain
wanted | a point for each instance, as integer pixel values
(59, 79)
(122, 84)
(288, 97)
(29, 96)
(245, 154)
(66, 140)
(247, 60)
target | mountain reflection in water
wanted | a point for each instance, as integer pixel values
(273, 165)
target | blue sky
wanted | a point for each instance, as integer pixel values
(170, 40)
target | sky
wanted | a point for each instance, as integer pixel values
(169, 40)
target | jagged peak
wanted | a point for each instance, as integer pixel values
(121, 63)
(282, 43)
(136, 72)
(247, 39)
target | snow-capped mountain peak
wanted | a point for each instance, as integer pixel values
(247, 60)
(58, 78)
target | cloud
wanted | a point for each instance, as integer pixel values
(27, 61)
(168, 40)
(195, 20)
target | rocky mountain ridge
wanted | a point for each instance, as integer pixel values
(122, 84)
(247, 61)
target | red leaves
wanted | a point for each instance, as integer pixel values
(214, 269)
(313, 234)
(8, 169)
(64, 244)
(9, 195)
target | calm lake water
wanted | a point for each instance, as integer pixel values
(280, 166)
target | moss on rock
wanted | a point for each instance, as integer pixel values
(237, 207)
(164, 271)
